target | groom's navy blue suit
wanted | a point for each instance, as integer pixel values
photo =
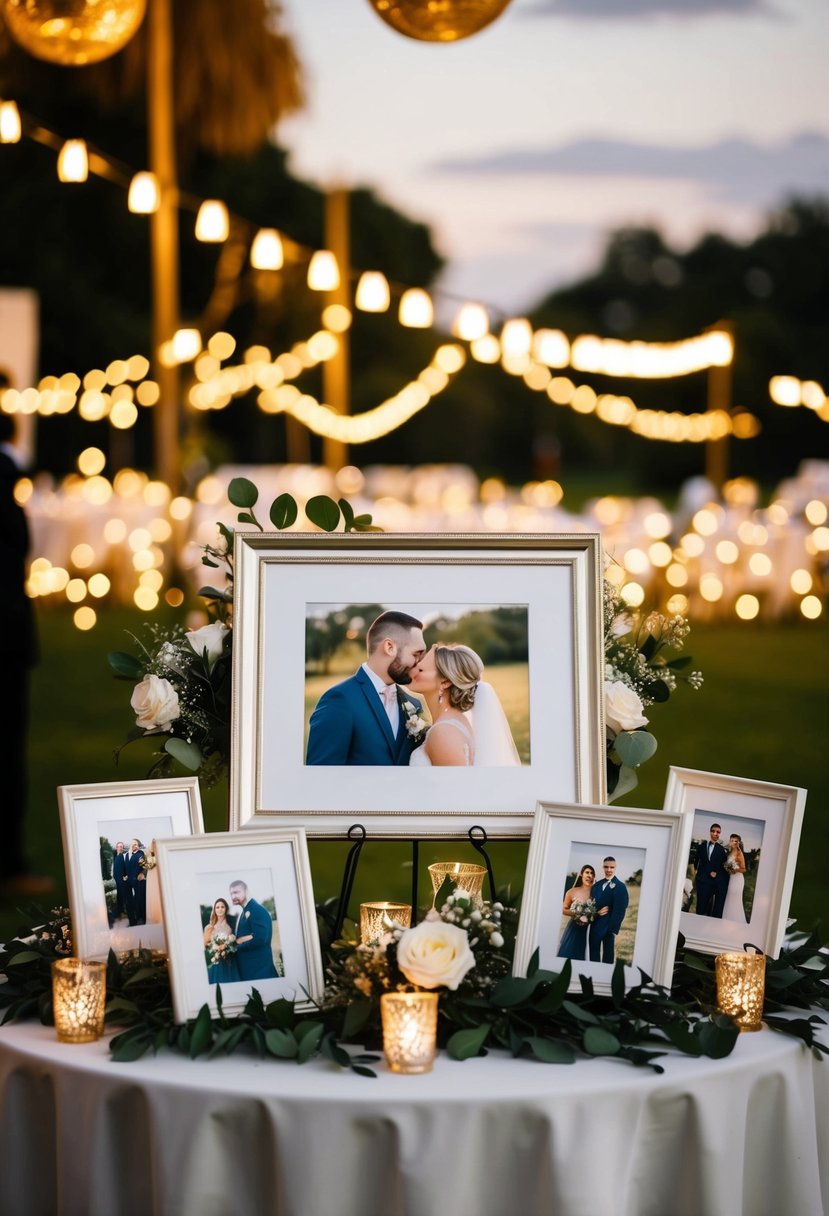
(711, 892)
(255, 958)
(602, 937)
(350, 726)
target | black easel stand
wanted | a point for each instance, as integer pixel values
(357, 833)
(478, 842)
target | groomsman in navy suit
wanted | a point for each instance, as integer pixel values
(712, 876)
(611, 893)
(360, 721)
(136, 885)
(119, 873)
(254, 934)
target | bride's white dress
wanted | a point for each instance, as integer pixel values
(490, 743)
(733, 909)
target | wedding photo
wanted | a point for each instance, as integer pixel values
(723, 865)
(601, 902)
(129, 884)
(417, 685)
(240, 927)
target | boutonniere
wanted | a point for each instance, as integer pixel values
(247, 916)
(416, 726)
(612, 886)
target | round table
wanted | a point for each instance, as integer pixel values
(83, 1136)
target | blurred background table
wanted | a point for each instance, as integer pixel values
(86, 1137)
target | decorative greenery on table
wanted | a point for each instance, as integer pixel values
(532, 1016)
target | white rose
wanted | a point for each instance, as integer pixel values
(622, 707)
(210, 638)
(434, 954)
(155, 702)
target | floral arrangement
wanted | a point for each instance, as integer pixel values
(416, 726)
(639, 671)
(584, 911)
(221, 947)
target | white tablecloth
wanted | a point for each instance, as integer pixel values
(82, 1136)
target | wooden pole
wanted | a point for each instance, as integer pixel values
(719, 398)
(336, 377)
(163, 236)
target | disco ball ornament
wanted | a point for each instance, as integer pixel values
(73, 32)
(438, 20)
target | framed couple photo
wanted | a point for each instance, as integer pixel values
(348, 648)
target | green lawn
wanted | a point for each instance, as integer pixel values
(761, 713)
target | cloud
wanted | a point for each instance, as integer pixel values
(683, 10)
(734, 170)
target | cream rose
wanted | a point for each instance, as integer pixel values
(435, 955)
(622, 707)
(210, 638)
(155, 702)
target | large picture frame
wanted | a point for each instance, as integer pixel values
(115, 905)
(289, 585)
(266, 937)
(646, 850)
(759, 823)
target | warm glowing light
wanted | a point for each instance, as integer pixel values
(323, 271)
(636, 561)
(212, 221)
(471, 322)
(784, 390)
(560, 390)
(812, 395)
(174, 597)
(153, 579)
(372, 293)
(186, 345)
(727, 552)
(73, 161)
(322, 345)
(210, 491)
(676, 575)
(114, 531)
(660, 553)
(416, 310)
(633, 594)
(181, 508)
(449, 358)
(97, 490)
(82, 556)
(145, 598)
(123, 415)
(778, 513)
(337, 318)
(99, 586)
(583, 400)
(221, 345)
(91, 461)
(612, 357)
(816, 512)
(516, 338)
(705, 522)
(657, 525)
(75, 590)
(144, 195)
(820, 539)
(266, 252)
(147, 393)
(486, 349)
(678, 604)
(10, 126)
(710, 588)
(85, 618)
(801, 581)
(551, 347)
(760, 564)
(747, 607)
(811, 607)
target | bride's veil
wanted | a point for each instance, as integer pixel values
(494, 744)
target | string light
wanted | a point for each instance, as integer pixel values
(790, 392)
(212, 222)
(144, 195)
(372, 293)
(416, 310)
(323, 271)
(266, 252)
(471, 322)
(10, 125)
(651, 360)
(73, 161)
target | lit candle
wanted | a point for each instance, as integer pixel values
(464, 874)
(78, 999)
(375, 917)
(741, 980)
(410, 1022)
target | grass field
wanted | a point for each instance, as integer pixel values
(761, 713)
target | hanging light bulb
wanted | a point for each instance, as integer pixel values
(10, 129)
(416, 310)
(144, 196)
(212, 222)
(185, 345)
(551, 347)
(266, 252)
(372, 292)
(471, 322)
(73, 32)
(73, 161)
(445, 21)
(516, 338)
(323, 271)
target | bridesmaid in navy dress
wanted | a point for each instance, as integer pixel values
(573, 942)
(220, 925)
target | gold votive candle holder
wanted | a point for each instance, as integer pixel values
(464, 874)
(78, 999)
(741, 985)
(410, 1021)
(373, 916)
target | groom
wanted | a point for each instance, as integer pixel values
(712, 877)
(610, 893)
(254, 931)
(361, 720)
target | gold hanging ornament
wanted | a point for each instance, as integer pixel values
(438, 20)
(73, 32)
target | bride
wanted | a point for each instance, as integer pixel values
(469, 726)
(736, 867)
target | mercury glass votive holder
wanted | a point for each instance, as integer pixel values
(373, 917)
(78, 999)
(410, 1021)
(741, 983)
(465, 874)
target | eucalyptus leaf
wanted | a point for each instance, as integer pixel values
(216, 593)
(23, 956)
(323, 511)
(659, 691)
(348, 513)
(201, 1036)
(356, 1016)
(600, 1042)
(550, 1051)
(310, 1040)
(464, 1044)
(634, 747)
(281, 1043)
(188, 754)
(284, 511)
(626, 781)
(717, 1037)
(129, 1047)
(125, 665)
(242, 492)
(580, 1013)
